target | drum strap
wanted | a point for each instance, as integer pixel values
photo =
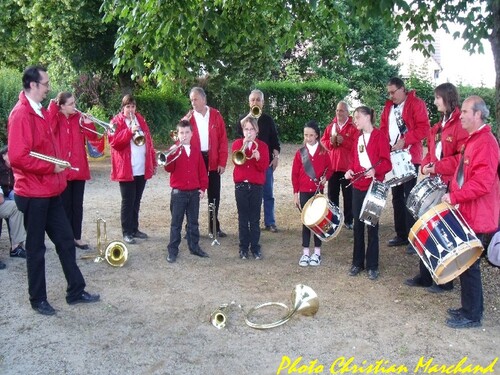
(460, 172)
(306, 162)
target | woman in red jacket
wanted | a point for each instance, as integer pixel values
(444, 142)
(249, 179)
(72, 130)
(133, 162)
(371, 156)
(307, 180)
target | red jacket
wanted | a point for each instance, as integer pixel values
(29, 132)
(453, 137)
(479, 196)
(301, 182)
(252, 170)
(72, 141)
(378, 150)
(417, 121)
(121, 154)
(340, 155)
(188, 172)
(217, 139)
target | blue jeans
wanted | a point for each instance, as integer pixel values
(248, 198)
(268, 198)
(184, 202)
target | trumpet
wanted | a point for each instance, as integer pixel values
(61, 163)
(138, 137)
(110, 128)
(162, 156)
(255, 111)
(238, 157)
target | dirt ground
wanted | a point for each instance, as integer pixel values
(153, 317)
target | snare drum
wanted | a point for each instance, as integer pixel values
(445, 242)
(322, 217)
(424, 195)
(402, 168)
(374, 203)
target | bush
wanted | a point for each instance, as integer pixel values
(10, 86)
(489, 97)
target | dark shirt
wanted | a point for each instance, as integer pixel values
(6, 178)
(268, 133)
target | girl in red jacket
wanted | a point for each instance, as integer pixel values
(72, 131)
(306, 181)
(133, 162)
(371, 155)
(249, 179)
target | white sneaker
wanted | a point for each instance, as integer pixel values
(315, 260)
(304, 260)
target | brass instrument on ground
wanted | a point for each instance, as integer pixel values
(238, 157)
(138, 137)
(305, 301)
(213, 230)
(255, 111)
(110, 128)
(59, 162)
(218, 318)
(116, 253)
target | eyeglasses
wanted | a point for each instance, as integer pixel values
(394, 91)
(46, 84)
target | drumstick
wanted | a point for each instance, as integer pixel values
(362, 173)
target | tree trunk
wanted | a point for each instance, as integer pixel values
(495, 47)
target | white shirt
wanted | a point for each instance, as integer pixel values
(138, 155)
(312, 149)
(439, 145)
(37, 107)
(202, 124)
(187, 148)
(393, 125)
(364, 160)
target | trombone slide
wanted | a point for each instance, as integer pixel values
(61, 163)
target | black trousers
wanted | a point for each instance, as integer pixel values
(306, 232)
(336, 182)
(403, 220)
(248, 201)
(131, 192)
(46, 215)
(213, 193)
(359, 257)
(72, 198)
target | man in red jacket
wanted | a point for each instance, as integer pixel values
(38, 185)
(209, 135)
(338, 139)
(405, 122)
(475, 189)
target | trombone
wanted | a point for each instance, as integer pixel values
(110, 128)
(59, 162)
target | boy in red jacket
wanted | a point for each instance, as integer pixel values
(249, 179)
(189, 181)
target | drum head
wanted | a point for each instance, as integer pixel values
(315, 210)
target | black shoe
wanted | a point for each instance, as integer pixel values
(416, 281)
(2, 265)
(18, 252)
(455, 312)
(272, 228)
(129, 239)
(243, 255)
(373, 274)
(355, 270)
(461, 321)
(410, 250)
(140, 235)
(43, 308)
(257, 256)
(221, 234)
(348, 226)
(83, 297)
(397, 241)
(200, 253)
(171, 258)
(83, 247)
(434, 288)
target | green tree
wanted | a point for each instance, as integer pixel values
(221, 38)
(481, 19)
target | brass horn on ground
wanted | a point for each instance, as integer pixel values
(218, 318)
(305, 301)
(116, 253)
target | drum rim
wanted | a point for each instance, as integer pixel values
(309, 202)
(474, 246)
